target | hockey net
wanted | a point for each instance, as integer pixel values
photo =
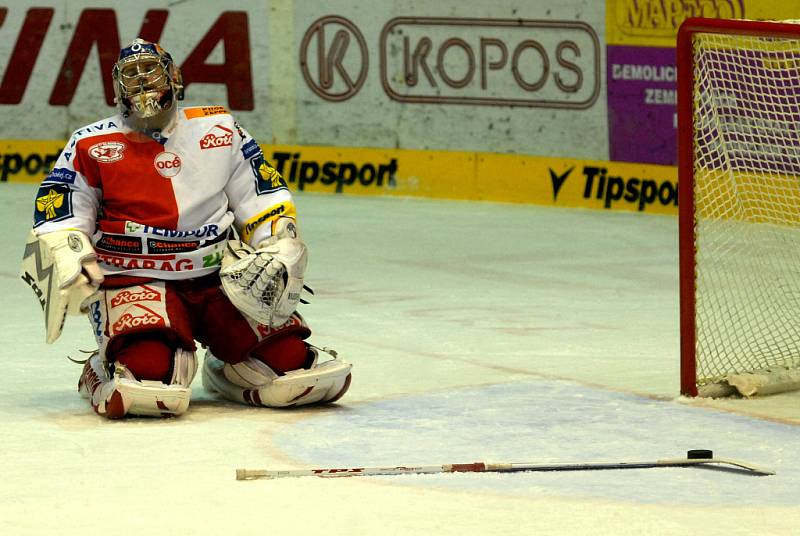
(739, 159)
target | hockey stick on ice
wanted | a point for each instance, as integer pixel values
(695, 458)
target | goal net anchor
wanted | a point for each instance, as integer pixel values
(694, 458)
(768, 381)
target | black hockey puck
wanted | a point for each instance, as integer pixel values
(699, 454)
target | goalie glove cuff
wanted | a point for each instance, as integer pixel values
(72, 255)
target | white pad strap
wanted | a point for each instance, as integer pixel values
(153, 398)
(250, 373)
(61, 268)
(184, 367)
(253, 382)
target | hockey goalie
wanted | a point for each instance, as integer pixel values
(167, 227)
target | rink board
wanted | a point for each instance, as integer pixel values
(473, 176)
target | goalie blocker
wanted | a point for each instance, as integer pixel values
(61, 268)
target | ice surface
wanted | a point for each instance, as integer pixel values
(478, 332)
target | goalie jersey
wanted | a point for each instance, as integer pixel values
(162, 206)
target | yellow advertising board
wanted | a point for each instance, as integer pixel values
(655, 23)
(510, 178)
(561, 182)
(566, 182)
(27, 160)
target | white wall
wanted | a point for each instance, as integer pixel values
(283, 42)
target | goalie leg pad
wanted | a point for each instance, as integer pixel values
(252, 382)
(232, 336)
(282, 354)
(118, 393)
(148, 356)
(120, 317)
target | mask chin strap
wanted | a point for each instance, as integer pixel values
(147, 105)
(155, 123)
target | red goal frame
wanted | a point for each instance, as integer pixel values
(684, 53)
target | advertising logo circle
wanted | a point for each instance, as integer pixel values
(167, 164)
(337, 73)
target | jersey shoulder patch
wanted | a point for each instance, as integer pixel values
(53, 203)
(204, 111)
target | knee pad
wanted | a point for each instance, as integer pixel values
(282, 354)
(254, 383)
(148, 356)
(136, 313)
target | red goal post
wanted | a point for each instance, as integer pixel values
(739, 206)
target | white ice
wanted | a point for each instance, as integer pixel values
(478, 332)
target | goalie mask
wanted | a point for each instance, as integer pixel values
(147, 85)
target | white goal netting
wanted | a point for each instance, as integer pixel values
(747, 205)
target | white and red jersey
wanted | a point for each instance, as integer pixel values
(162, 206)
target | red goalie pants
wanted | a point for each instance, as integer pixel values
(142, 324)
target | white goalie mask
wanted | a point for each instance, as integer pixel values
(147, 85)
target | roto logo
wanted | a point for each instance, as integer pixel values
(661, 18)
(128, 321)
(128, 296)
(545, 64)
(167, 164)
(218, 136)
(107, 151)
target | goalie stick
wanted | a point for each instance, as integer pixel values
(694, 458)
